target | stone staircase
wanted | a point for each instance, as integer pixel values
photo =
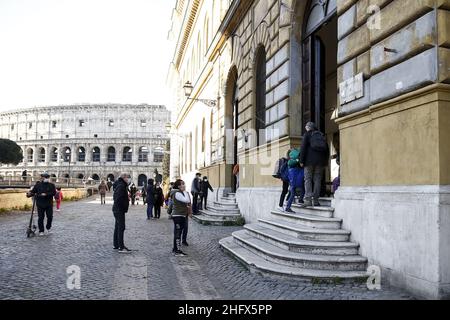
(309, 244)
(224, 212)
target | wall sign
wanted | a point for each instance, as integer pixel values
(351, 89)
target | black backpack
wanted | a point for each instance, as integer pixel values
(318, 142)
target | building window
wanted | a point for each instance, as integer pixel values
(30, 125)
(54, 155)
(82, 123)
(143, 123)
(95, 135)
(111, 123)
(12, 127)
(41, 158)
(67, 154)
(158, 155)
(54, 123)
(143, 154)
(111, 154)
(127, 154)
(30, 154)
(96, 154)
(81, 154)
(260, 113)
(67, 136)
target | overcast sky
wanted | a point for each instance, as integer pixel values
(76, 51)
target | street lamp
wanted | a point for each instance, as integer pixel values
(68, 153)
(188, 88)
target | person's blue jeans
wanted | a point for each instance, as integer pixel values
(292, 195)
(149, 210)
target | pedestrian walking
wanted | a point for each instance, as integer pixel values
(314, 155)
(159, 200)
(195, 191)
(282, 172)
(150, 198)
(102, 189)
(58, 198)
(133, 192)
(144, 194)
(120, 208)
(296, 179)
(205, 187)
(180, 210)
(44, 193)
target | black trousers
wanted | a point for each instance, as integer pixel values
(284, 192)
(103, 199)
(119, 230)
(203, 201)
(195, 202)
(157, 211)
(179, 224)
(185, 230)
(42, 212)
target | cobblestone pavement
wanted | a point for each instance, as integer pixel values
(82, 235)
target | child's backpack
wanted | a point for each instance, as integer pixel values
(57, 195)
(278, 168)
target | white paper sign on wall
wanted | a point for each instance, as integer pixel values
(351, 89)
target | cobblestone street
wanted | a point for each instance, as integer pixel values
(82, 236)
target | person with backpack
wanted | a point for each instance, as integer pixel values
(296, 179)
(180, 209)
(58, 198)
(282, 173)
(313, 158)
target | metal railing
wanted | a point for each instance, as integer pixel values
(28, 182)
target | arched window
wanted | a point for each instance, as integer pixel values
(111, 154)
(260, 68)
(111, 177)
(30, 155)
(67, 152)
(80, 176)
(96, 154)
(81, 154)
(96, 177)
(54, 155)
(127, 154)
(142, 180)
(143, 154)
(158, 155)
(203, 135)
(41, 158)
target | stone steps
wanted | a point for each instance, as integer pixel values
(297, 259)
(261, 265)
(308, 220)
(224, 213)
(326, 212)
(287, 242)
(306, 233)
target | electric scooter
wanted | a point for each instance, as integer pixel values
(31, 231)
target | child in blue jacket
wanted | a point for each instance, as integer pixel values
(296, 179)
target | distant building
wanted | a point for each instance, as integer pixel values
(88, 141)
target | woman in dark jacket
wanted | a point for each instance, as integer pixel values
(150, 198)
(159, 200)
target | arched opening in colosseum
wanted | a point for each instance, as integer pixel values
(143, 154)
(96, 154)
(30, 155)
(54, 155)
(127, 154)
(96, 177)
(142, 180)
(111, 154)
(81, 154)
(67, 152)
(41, 158)
(111, 177)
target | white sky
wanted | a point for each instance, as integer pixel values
(56, 52)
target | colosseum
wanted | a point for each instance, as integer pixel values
(88, 142)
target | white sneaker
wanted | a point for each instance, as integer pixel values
(280, 209)
(49, 232)
(41, 234)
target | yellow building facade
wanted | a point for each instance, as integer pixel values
(373, 74)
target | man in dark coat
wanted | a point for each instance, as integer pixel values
(205, 187)
(120, 208)
(314, 156)
(44, 193)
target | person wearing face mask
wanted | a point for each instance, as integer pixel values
(120, 208)
(205, 186)
(44, 192)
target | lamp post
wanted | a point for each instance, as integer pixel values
(188, 88)
(68, 154)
